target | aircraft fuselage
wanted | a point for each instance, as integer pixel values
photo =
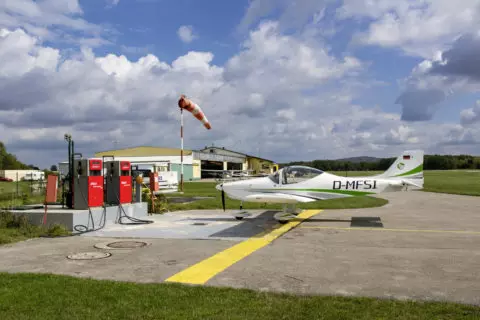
(324, 186)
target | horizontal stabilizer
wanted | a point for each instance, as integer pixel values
(404, 182)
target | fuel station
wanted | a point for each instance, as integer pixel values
(96, 192)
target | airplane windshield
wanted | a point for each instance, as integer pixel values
(295, 174)
(275, 177)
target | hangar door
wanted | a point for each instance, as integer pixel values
(211, 165)
(234, 166)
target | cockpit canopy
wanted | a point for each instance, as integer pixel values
(294, 174)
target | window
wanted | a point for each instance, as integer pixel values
(295, 174)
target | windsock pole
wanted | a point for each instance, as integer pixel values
(181, 150)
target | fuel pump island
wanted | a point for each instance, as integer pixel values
(96, 193)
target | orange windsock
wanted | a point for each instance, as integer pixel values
(193, 108)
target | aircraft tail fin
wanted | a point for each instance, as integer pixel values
(408, 166)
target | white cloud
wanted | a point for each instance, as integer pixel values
(471, 115)
(446, 34)
(419, 28)
(52, 20)
(453, 71)
(186, 34)
(281, 97)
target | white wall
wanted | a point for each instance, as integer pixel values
(12, 174)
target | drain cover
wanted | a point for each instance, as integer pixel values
(127, 244)
(89, 255)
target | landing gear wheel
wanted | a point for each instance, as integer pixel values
(239, 218)
(282, 221)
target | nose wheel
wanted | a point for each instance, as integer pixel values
(241, 214)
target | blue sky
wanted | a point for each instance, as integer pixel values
(293, 81)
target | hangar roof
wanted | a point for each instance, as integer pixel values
(233, 153)
(150, 151)
(143, 151)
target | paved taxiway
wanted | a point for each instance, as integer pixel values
(420, 245)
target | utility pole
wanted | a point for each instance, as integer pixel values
(181, 150)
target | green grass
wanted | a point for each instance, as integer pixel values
(35, 296)
(8, 194)
(9, 187)
(13, 229)
(207, 189)
(455, 182)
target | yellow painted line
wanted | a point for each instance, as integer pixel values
(395, 230)
(203, 271)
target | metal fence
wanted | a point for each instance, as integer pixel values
(12, 192)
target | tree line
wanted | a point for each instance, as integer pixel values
(431, 162)
(9, 161)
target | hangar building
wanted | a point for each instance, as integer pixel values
(196, 163)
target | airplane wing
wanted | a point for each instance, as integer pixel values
(276, 197)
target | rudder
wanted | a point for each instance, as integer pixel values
(409, 165)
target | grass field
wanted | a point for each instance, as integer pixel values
(32, 296)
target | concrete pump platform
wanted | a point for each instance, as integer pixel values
(71, 217)
(193, 225)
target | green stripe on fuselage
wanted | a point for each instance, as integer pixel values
(345, 192)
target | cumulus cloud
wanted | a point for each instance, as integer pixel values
(282, 97)
(186, 34)
(52, 20)
(471, 115)
(419, 104)
(462, 60)
(442, 32)
(109, 97)
(419, 28)
(452, 71)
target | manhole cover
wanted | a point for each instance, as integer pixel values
(127, 244)
(199, 224)
(89, 255)
(119, 245)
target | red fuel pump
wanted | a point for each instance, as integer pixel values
(87, 183)
(153, 181)
(118, 182)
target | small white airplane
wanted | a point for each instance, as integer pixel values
(299, 184)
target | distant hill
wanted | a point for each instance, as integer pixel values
(359, 159)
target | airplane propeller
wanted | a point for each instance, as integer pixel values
(223, 197)
(223, 200)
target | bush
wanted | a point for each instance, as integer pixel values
(19, 228)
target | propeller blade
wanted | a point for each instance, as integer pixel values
(223, 200)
